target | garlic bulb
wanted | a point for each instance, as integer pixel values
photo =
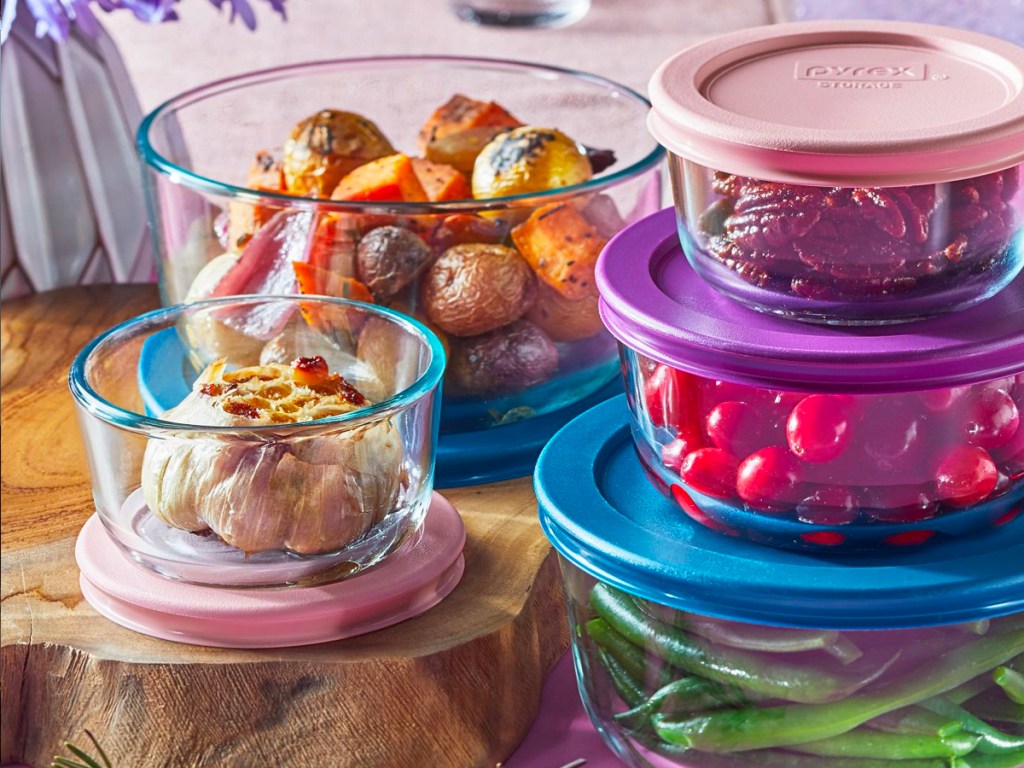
(207, 336)
(305, 494)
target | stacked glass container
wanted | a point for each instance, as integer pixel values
(817, 559)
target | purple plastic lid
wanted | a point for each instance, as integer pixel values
(653, 302)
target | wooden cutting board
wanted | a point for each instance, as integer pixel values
(457, 686)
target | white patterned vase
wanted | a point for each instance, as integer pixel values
(71, 204)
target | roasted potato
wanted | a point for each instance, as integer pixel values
(327, 146)
(475, 288)
(565, 319)
(389, 258)
(506, 360)
(529, 159)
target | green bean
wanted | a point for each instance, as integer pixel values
(915, 720)
(752, 672)
(861, 742)
(993, 706)
(779, 759)
(751, 637)
(993, 741)
(757, 728)
(1011, 681)
(686, 696)
(629, 690)
(628, 655)
(970, 689)
(1007, 760)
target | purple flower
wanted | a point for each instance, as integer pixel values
(243, 10)
(149, 11)
(55, 17)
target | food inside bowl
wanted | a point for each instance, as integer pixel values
(509, 287)
(303, 494)
(839, 243)
(709, 693)
(836, 459)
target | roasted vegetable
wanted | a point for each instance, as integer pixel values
(462, 228)
(334, 243)
(327, 146)
(473, 289)
(460, 113)
(265, 175)
(390, 178)
(441, 182)
(460, 150)
(308, 496)
(562, 247)
(318, 281)
(529, 159)
(507, 360)
(389, 258)
(565, 319)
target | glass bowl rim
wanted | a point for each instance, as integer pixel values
(426, 383)
(186, 177)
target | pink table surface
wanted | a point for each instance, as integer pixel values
(624, 40)
(562, 732)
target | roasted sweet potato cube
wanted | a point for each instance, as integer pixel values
(461, 112)
(317, 281)
(390, 178)
(265, 175)
(441, 182)
(562, 247)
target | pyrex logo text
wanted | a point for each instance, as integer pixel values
(891, 72)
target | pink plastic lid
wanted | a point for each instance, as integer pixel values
(846, 103)
(410, 581)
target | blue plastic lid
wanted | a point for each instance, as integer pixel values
(463, 458)
(602, 514)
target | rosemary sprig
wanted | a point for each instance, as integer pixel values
(84, 760)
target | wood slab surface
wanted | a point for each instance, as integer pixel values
(457, 686)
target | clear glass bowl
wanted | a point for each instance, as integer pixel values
(851, 256)
(547, 351)
(266, 476)
(667, 687)
(827, 470)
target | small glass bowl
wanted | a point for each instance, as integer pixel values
(277, 504)
(198, 147)
(851, 255)
(819, 173)
(853, 471)
(667, 687)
